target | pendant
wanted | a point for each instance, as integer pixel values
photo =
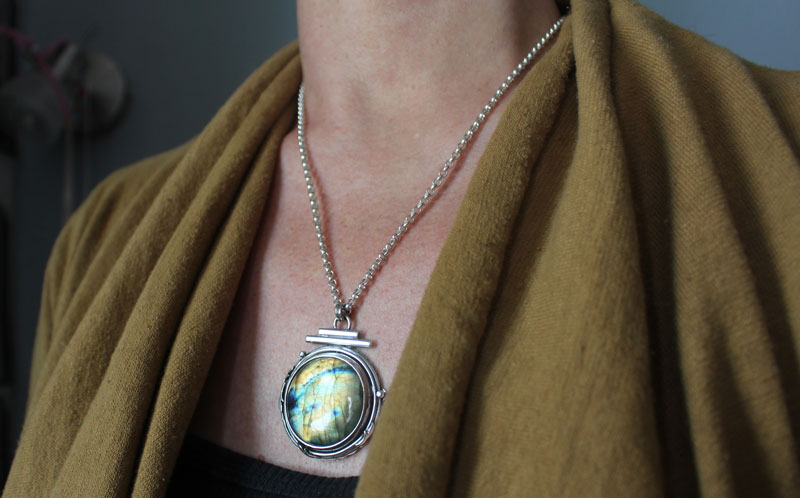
(332, 396)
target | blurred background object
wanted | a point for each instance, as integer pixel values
(181, 61)
(67, 91)
(66, 86)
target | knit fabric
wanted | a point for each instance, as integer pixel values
(615, 311)
(204, 469)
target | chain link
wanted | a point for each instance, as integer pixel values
(343, 309)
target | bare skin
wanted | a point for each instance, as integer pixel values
(390, 89)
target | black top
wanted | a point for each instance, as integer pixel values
(205, 469)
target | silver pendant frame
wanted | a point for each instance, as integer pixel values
(370, 385)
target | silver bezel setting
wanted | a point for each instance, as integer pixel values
(373, 396)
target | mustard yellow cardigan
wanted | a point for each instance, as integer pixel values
(615, 311)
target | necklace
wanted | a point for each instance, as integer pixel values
(331, 398)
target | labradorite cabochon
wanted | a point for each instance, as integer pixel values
(324, 401)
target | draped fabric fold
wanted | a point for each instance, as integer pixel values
(615, 311)
(142, 282)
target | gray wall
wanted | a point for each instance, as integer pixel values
(183, 59)
(766, 32)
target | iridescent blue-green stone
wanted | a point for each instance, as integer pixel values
(324, 401)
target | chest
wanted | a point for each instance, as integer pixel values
(284, 296)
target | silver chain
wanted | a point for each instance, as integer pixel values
(343, 309)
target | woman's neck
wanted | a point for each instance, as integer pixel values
(379, 71)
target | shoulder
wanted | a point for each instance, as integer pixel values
(106, 218)
(669, 83)
(647, 46)
(116, 195)
(108, 215)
